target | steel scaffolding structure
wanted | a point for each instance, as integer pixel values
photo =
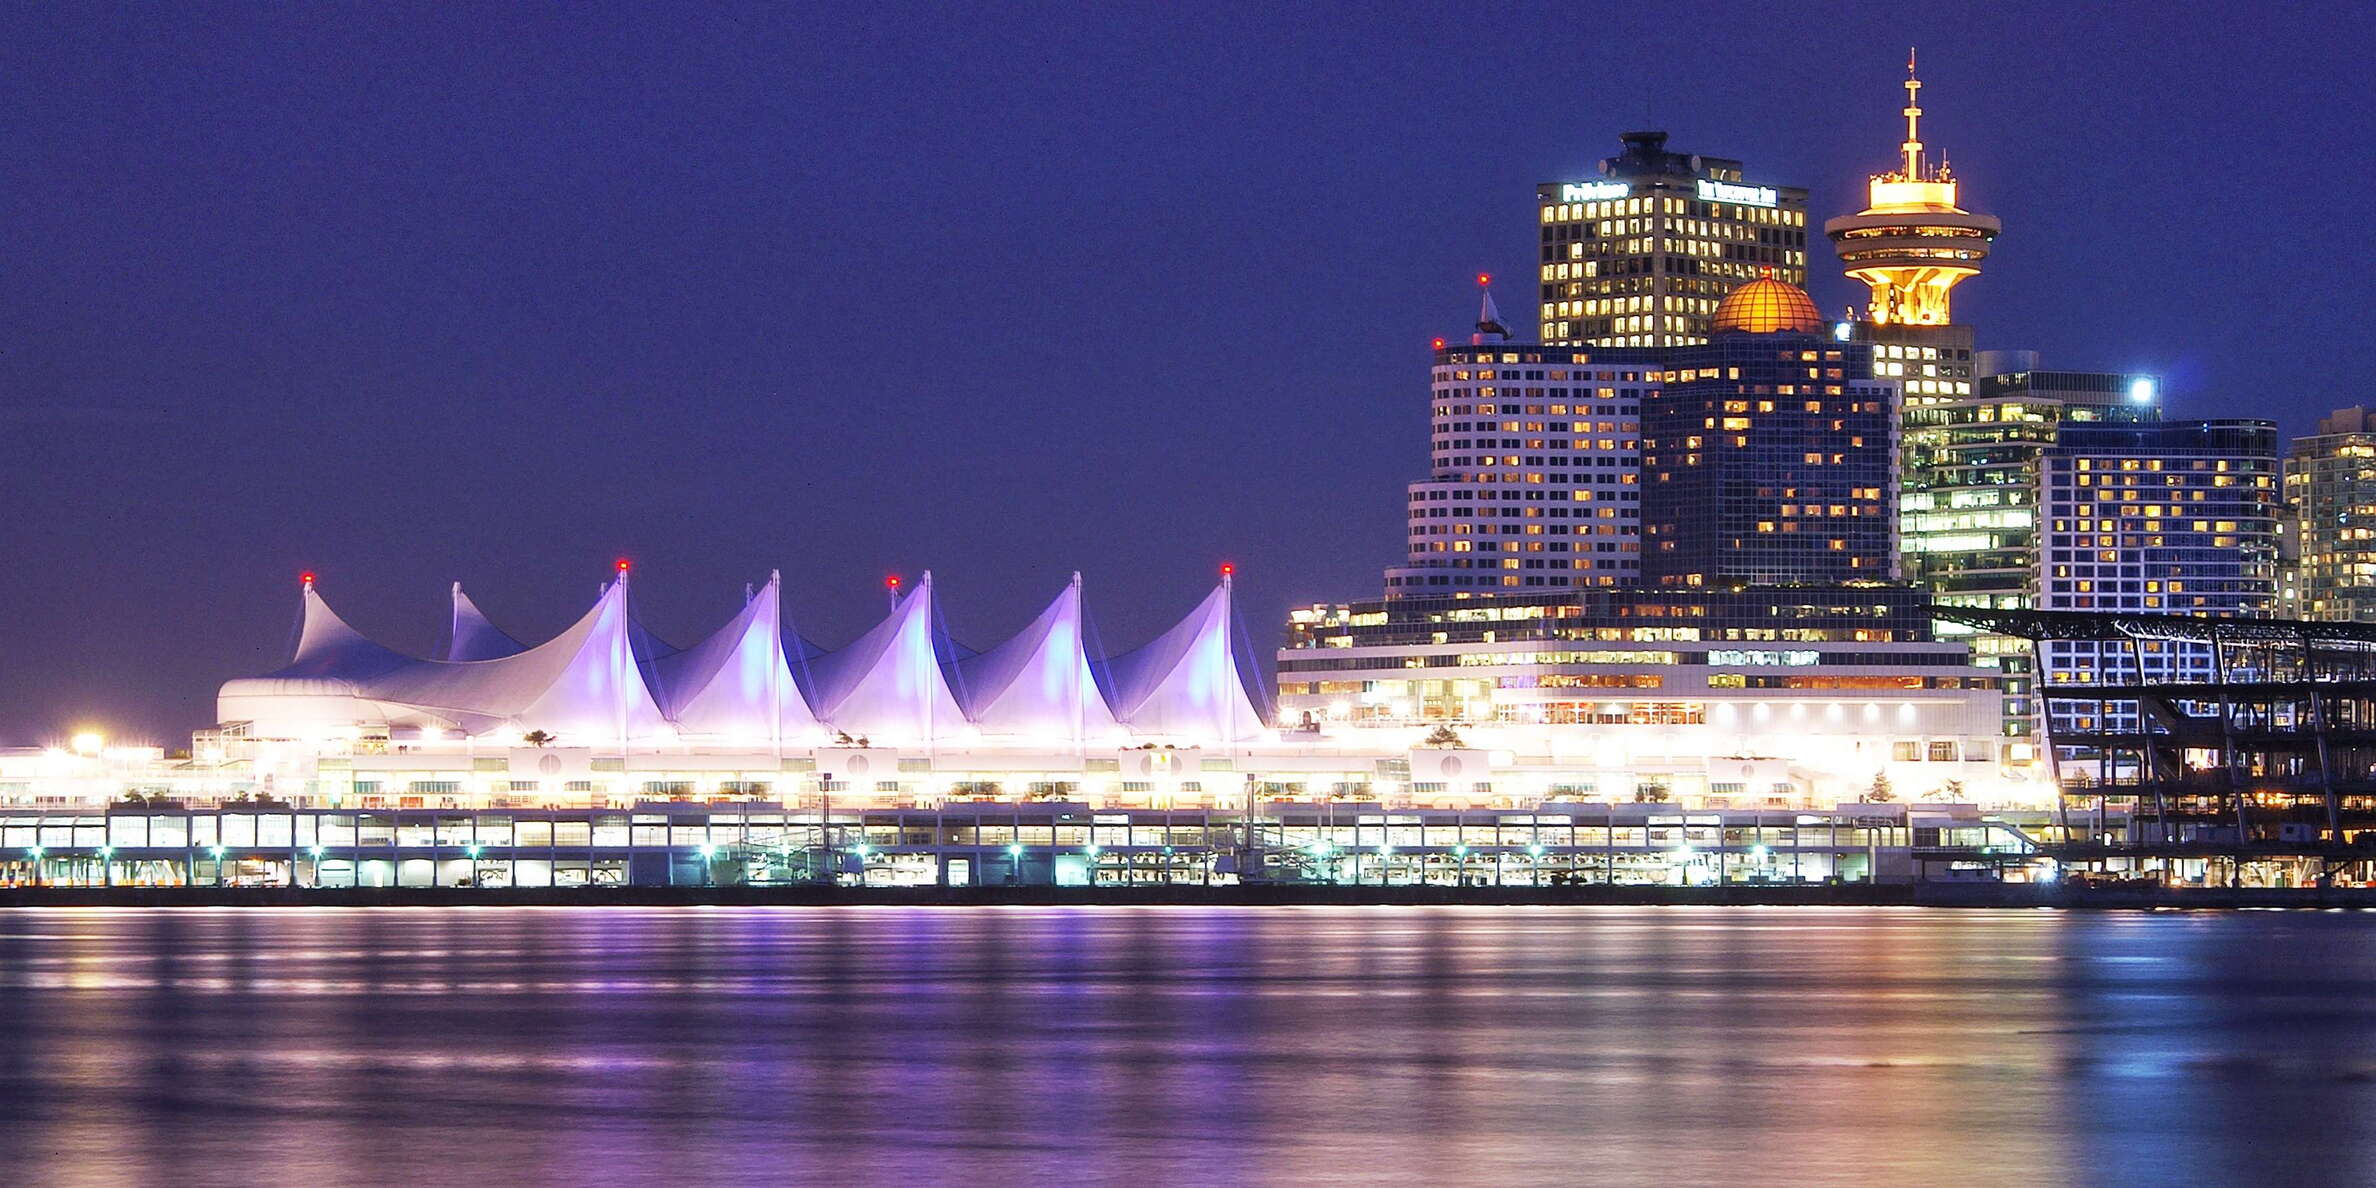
(2243, 740)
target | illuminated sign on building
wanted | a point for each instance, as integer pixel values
(1716, 191)
(1594, 191)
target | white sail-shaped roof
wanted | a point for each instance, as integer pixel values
(473, 637)
(1039, 683)
(583, 686)
(737, 683)
(328, 648)
(888, 686)
(1186, 683)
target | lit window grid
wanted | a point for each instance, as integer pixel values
(1649, 270)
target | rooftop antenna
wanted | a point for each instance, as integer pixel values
(1913, 146)
(1490, 327)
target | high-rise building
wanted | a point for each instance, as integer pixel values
(2330, 487)
(1640, 255)
(1769, 454)
(2161, 517)
(1534, 467)
(1968, 514)
(1780, 466)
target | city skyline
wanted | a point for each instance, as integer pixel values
(234, 359)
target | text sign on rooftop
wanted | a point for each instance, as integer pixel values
(1716, 191)
(1592, 191)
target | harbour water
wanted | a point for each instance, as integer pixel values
(1186, 1045)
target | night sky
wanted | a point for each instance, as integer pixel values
(409, 294)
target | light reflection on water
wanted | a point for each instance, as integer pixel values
(1613, 1045)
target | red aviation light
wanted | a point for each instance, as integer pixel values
(1439, 344)
(623, 566)
(306, 578)
(1228, 570)
(891, 583)
(1484, 278)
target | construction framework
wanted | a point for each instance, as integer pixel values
(2248, 742)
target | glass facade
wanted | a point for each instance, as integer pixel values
(1968, 511)
(1769, 458)
(1337, 833)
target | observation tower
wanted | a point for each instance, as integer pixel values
(1911, 243)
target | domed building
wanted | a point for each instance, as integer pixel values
(1767, 306)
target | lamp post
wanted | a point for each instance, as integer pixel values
(107, 866)
(216, 852)
(34, 853)
(1247, 860)
(825, 818)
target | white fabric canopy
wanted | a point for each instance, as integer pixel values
(1186, 683)
(737, 684)
(887, 686)
(605, 681)
(473, 637)
(1039, 683)
(582, 686)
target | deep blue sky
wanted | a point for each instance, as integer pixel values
(406, 294)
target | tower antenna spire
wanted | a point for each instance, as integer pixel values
(1913, 146)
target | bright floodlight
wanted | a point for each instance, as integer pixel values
(88, 742)
(2141, 389)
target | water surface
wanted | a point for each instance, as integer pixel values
(1186, 1045)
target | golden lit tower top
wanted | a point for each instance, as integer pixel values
(1912, 243)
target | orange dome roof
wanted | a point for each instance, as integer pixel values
(1769, 306)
